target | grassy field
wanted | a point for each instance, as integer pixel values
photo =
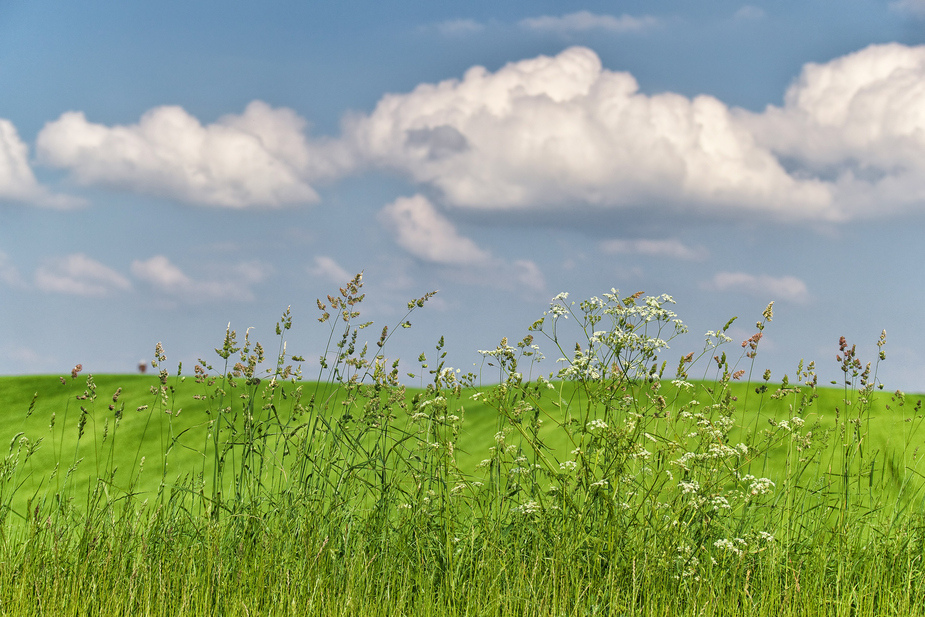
(175, 443)
(613, 487)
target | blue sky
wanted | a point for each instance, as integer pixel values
(166, 169)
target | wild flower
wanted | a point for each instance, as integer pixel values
(715, 339)
(735, 546)
(689, 487)
(526, 509)
(758, 486)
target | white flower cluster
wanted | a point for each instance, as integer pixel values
(716, 451)
(758, 486)
(735, 546)
(628, 344)
(715, 339)
(687, 488)
(791, 425)
(739, 546)
(531, 507)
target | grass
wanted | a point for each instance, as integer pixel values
(610, 487)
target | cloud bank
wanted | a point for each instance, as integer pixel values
(549, 134)
(555, 131)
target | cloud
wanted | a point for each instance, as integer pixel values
(582, 21)
(79, 275)
(426, 234)
(911, 7)
(258, 158)
(859, 121)
(328, 268)
(529, 275)
(767, 288)
(422, 231)
(17, 182)
(169, 280)
(459, 27)
(548, 132)
(671, 248)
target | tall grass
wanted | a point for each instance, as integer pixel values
(614, 485)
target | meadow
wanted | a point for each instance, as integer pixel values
(629, 479)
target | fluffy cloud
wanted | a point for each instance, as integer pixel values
(425, 233)
(671, 248)
(79, 275)
(767, 288)
(259, 158)
(167, 279)
(422, 231)
(545, 133)
(562, 130)
(583, 21)
(17, 182)
(859, 121)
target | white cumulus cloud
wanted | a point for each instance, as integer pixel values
(767, 288)
(859, 121)
(258, 158)
(553, 131)
(583, 21)
(425, 233)
(17, 182)
(79, 275)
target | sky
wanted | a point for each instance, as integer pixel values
(167, 169)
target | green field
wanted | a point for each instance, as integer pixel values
(173, 438)
(614, 487)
